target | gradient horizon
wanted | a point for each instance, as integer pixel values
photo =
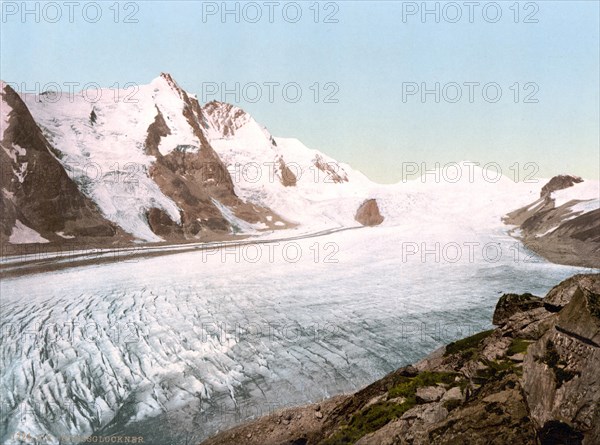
(368, 54)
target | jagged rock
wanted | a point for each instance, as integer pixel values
(560, 295)
(412, 427)
(562, 233)
(519, 357)
(161, 224)
(560, 371)
(522, 316)
(529, 325)
(495, 346)
(428, 413)
(368, 213)
(288, 178)
(453, 394)
(510, 304)
(333, 172)
(37, 191)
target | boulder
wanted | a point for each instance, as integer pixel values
(511, 304)
(561, 294)
(368, 213)
(430, 394)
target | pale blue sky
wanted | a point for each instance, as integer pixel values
(369, 53)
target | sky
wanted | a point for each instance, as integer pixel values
(511, 83)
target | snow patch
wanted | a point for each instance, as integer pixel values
(62, 235)
(238, 225)
(21, 234)
(582, 191)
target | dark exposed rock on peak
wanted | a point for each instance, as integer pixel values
(332, 171)
(288, 178)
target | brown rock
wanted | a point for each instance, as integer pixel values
(560, 370)
(561, 294)
(430, 394)
(558, 183)
(288, 178)
(368, 213)
(510, 304)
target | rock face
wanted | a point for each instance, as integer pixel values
(368, 213)
(564, 233)
(560, 371)
(533, 380)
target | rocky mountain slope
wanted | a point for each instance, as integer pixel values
(563, 225)
(531, 380)
(39, 202)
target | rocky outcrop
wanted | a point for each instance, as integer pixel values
(333, 173)
(560, 372)
(558, 183)
(368, 213)
(288, 178)
(563, 234)
(502, 386)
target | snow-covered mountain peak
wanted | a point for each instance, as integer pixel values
(166, 81)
